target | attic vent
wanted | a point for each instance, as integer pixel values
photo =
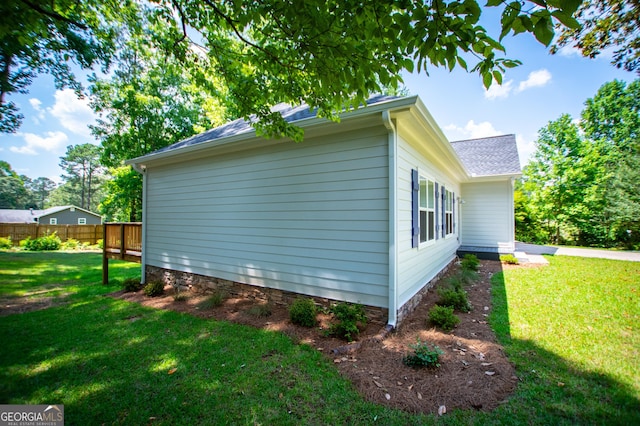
(72, 209)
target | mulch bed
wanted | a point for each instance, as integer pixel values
(474, 372)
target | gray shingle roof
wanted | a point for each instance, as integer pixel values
(19, 216)
(240, 126)
(497, 155)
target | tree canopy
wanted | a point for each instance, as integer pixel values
(330, 54)
(583, 183)
(606, 24)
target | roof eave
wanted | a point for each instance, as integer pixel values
(499, 177)
(140, 163)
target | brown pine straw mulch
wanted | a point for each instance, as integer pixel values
(474, 372)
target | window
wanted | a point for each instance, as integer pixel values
(53, 221)
(427, 210)
(82, 221)
(448, 212)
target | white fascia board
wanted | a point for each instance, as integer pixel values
(490, 178)
(140, 163)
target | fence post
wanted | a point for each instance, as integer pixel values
(105, 265)
(122, 244)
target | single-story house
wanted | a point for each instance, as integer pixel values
(61, 215)
(368, 210)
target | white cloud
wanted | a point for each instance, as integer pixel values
(74, 114)
(36, 104)
(536, 79)
(526, 148)
(34, 143)
(471, 130)
(499, 91)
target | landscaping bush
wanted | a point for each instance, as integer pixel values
(47, 243)
(454, 297)
(423, 355)
(303, 312)
(180, 296)
(100, 243)
(216, 299)
(6, 243)
(71, 244)
(131, 285)
(509, 258)
(349, 318)
(470, 262)
(154, 288)
(261, 310)
(443, 317)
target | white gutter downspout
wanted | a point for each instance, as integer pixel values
(393, 222)
(143, 259)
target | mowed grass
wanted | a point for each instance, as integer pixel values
(573, 331)
(114, 362)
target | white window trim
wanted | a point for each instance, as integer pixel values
(82, 221)
(428, 178)
(454, 216)
(53, 221)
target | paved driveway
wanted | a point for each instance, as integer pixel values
(534, 249)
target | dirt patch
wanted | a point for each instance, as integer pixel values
(474, 372)
(29, 303)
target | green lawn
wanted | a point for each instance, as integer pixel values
(113, 362)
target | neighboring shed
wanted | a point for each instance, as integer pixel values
(61, 215)
(367, 210)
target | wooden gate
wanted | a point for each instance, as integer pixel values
(121, 241)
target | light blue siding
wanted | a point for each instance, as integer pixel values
(310, 218)
(417, 266)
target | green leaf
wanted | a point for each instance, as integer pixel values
(566, 19)
(570, 6)
(487, 79)
(492, 3)
(462, 62)
(497, 75)
(544, 30)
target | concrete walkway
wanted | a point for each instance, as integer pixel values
(533, 253)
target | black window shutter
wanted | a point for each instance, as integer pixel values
(435, 211)
(443, 195)
(415, 209)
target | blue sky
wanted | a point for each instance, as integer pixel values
(540, 90)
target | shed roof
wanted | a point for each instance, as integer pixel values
(492, 156)
(31, 215)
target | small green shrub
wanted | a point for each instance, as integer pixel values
(6, 243)
(216, 299)
(348, 320)
(71, 244)
(467, 276)
(260, 310)
(131, 284)
(443, 317)
(470, 262)
(100, 243)
(303, 312)
(423, 356)
(46, 243)
(154, 288)
(180, 296)
(509, 258)
(454, 297)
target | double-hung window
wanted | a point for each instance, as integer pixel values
(427, 210)
(448, 212)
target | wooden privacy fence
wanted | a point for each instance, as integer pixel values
(83, 233)
(121, 241)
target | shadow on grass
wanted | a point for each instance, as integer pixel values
(113, 362)
(553, 390)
